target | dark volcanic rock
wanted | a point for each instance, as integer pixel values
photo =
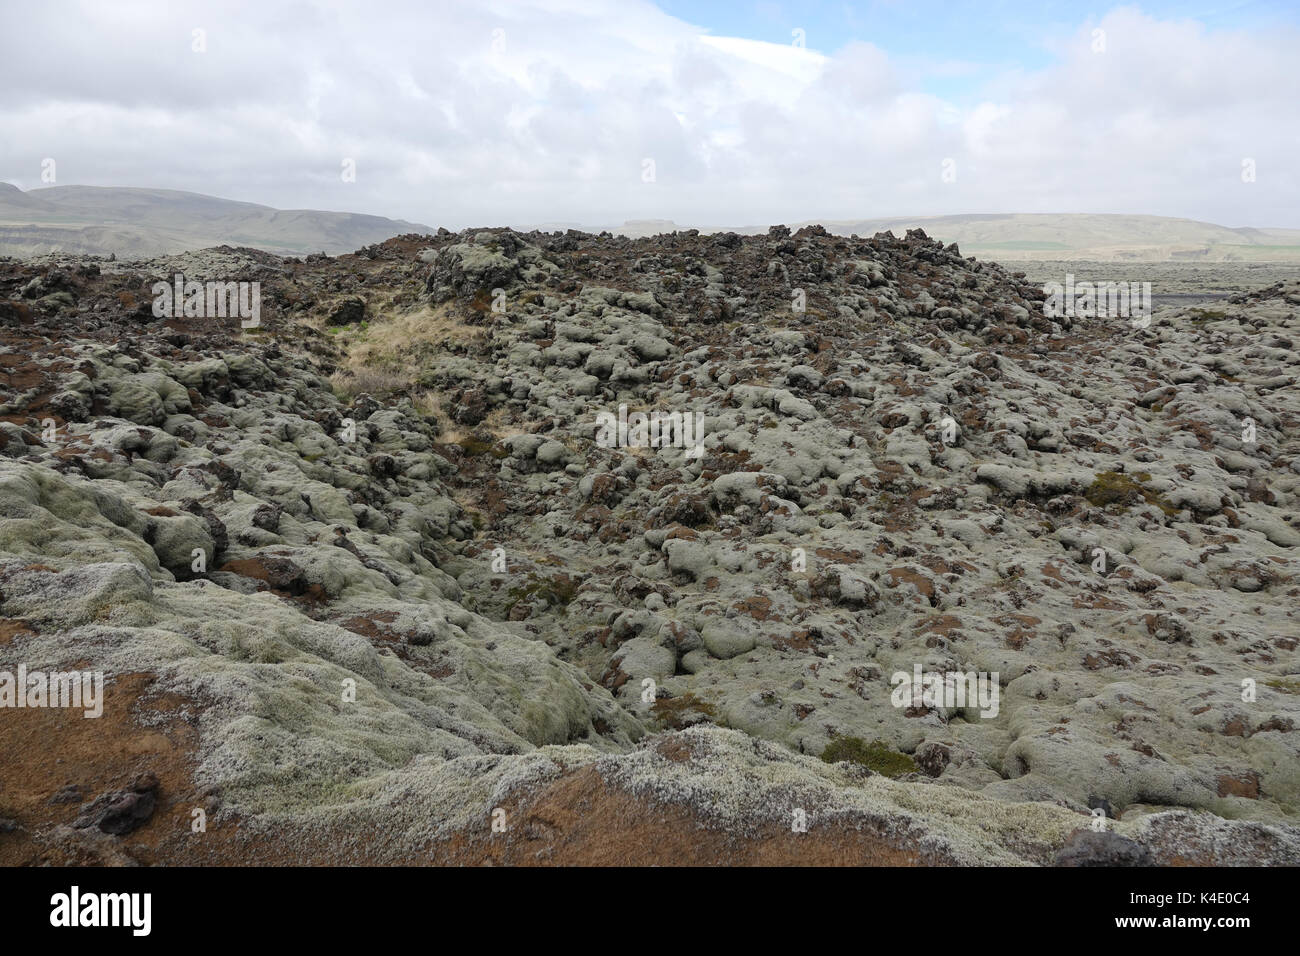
(122, 811)
(1102, 848)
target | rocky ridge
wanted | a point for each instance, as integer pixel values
(428, 593)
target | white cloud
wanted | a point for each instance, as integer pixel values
(552, 121)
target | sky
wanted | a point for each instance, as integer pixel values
(593, 112)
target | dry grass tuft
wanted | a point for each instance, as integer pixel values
(390, 353)
(373, 381)
(405, 341)
(389, 356)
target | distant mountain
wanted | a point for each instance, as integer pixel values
(1064, 236)
(137, 223)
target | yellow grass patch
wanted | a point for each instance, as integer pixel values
(394, 350)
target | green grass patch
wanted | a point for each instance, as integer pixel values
(875, 756)
(1115, 488)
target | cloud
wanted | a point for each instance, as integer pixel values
(545, 110)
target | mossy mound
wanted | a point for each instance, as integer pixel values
(557, 591)
(474, 447)
(681, 712)
(1287, 685)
